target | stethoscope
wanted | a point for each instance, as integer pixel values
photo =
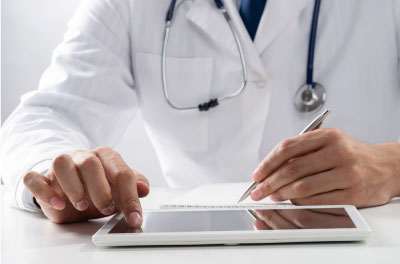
(309, 98)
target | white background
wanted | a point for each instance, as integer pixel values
(31, 29)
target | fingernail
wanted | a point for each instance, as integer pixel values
(108, 210)
(82, 205)
(257, 174)
(134, 219)
(57, 203)
(256, 194)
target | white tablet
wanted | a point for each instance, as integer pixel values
(270, 224)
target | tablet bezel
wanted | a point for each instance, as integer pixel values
(103, 238)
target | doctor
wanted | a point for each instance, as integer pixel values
(244, 64)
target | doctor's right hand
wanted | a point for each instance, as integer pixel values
(89, 184)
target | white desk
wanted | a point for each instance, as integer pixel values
(30, 238)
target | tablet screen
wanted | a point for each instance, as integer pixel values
(238, 220)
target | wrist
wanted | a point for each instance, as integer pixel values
(392, 164)
(396, 172)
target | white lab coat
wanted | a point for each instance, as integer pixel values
(108, 67)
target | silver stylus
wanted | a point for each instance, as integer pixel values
(315, 124)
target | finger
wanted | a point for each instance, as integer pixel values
(312, 163)
(289, 149)
(92, 174)
(67, 176)
(39, 186)
(316, 219)
(331, 211)
(274, 220)
(126, 185)
(141, 178)
(124, 180)
(260, 225)
(329, 198)
(142, 183)
(315, 184)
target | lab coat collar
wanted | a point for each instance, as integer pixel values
(209, 19)
(277, 17)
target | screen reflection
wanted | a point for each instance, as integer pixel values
(301, 219)
(238, 220)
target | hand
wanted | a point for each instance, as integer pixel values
(87, 185)
(302, 219)
(326, 166)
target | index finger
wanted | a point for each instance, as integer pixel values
(289, 149)
(124, 180)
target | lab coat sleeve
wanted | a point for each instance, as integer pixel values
(85, 98)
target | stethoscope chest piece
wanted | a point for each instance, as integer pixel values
(310, 98)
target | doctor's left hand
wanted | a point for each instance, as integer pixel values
(89, 184)
(326, 166)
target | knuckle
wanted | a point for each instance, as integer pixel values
(266, 186)
(334, 133)
(354, 171)
(284, 146)
(88, 163)
(77, 195)
(62, 161)
(103, 149)
(263, 169)
(141, 177)
(347, 152)
(124, 175)
(131, 202)
(301, 188)
(29, 178)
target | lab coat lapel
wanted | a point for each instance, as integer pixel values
(277, 17)
(253, 59)
(209, 19)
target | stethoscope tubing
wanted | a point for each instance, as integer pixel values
(215, 101)
(312, 42)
